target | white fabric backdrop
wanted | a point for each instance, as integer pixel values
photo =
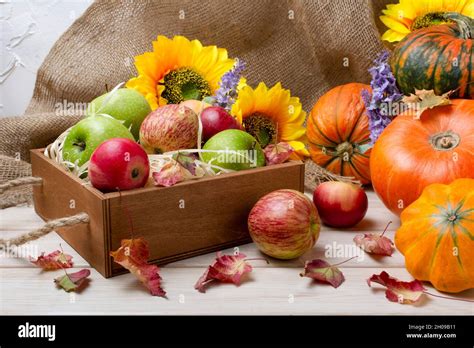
(28, 29)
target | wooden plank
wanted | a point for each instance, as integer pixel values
(266, 291)
(342, 240)
(63, 194)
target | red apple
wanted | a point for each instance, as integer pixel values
(284, 224)
(168, 128)
(216, 119)
(118, 163)
(340, 204)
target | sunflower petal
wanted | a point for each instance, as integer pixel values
(168, 54)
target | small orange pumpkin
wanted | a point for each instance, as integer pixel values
(337, 127)
(437, 236)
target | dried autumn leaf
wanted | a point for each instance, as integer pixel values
(73, 281)
(398, 291)
(425, 99)
(322, 271)
(187, 161)
(179, 168)
(133, 255)
(277, 153)
(376, 244)
(53, 261)
(171, 173)
(226, 269)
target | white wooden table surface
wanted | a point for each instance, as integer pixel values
(276, 288)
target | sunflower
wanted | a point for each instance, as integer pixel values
(272, 115)
(409, 15)
(179, 69)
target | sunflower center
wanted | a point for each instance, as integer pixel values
(429, 19)
(184, 84)
(261, 127)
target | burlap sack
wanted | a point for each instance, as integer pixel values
(10, 169)
(310, 46)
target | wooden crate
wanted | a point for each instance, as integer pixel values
(185, 220)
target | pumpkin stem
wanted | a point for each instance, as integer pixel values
(345, 150)
(465, 24)
(445, 141)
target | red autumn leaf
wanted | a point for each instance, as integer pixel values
(226, 269)
(376, 244)
(133, 255)
(55, 260)
(277, 153)
(398, 291)
(73, 281)
(322, 271)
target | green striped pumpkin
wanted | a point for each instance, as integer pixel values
(439, 57)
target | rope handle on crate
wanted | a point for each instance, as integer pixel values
(48, 227)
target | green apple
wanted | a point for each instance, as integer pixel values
(233, 149)
(87, 134)
(124, 104)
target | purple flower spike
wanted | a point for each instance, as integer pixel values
(384, 102)
(227, 93)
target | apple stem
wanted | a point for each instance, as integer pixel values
(107, 88)
(258, 259)
(448, 297)
(340, 263)
(386, 227)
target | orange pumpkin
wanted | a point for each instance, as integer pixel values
(410, 154)
(337, 127)
(437, 236)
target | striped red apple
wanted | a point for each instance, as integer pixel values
(168, 128)
(340, 204)
(284, 224)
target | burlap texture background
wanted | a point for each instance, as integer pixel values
(303, 44)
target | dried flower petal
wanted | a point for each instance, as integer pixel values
(398, 291)
(53, 261)
(322, 271)
(277, 153)
(133, 255)
(226, 269)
